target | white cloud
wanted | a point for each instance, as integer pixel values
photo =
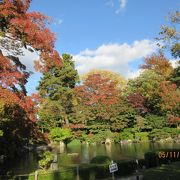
(134, 74)
(122, 5)
(28, 59)
(115, 57)
(174, 63)
(58, 22)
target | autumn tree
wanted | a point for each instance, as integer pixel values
(97, 90)
(21, 29)
(159, 64)
(170, 101)
(138, 101)
(143, 91)
(169, 35)
(101, 105)
(119, 80)
(94, 96)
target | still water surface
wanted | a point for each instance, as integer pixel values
(80, 154)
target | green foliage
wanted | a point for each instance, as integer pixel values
(1, 133)
(142, 136)
(122, 115)
(46, 159)
(101, 136)
(132, 134)
(50, 114)
(56, 87)
(101, 160)
(158, 134)
(59, 79)
(127, 134)
(155, 122)
(142, 124)
(175, 76)
(74, 142)
(61, 134)
(146, 84)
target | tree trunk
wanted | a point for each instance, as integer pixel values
(66, 120)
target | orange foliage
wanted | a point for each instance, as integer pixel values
(170, 95)
(97, 90)
(158, 63)
(29, 28)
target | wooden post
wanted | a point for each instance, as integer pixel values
(77, 169)
(36, 175)
(113, 175)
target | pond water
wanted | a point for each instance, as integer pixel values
(82, 154)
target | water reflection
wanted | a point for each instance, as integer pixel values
(81, 154)
(118, 152)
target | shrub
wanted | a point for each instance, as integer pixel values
(142, 136)
(157, 134)
(127, 134)
(74, 142)
(61, 134)
(101, 160)
(155, 122)
(102, 135)
(46, 159)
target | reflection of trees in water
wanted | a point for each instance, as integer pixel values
(132, 151)
(85, 154)
(108, 149)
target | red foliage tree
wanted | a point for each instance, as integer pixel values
(17, 25)
(137, 101)
(170, 101)
(22, 29)
(29, 28)
(97, 90)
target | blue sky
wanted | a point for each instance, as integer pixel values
(105, 34)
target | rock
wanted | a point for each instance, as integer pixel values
(126, 141)
(169, 139)
(108, 141)
(72, 154)
(43, 148)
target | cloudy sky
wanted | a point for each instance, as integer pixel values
(105, 34)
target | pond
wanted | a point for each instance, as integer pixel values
(83, 154)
